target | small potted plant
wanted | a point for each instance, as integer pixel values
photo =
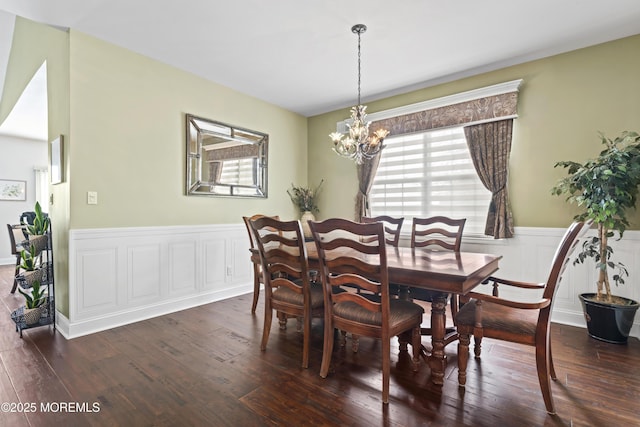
(28, 262)
(34, 302)
(38, 231)
(605, 188)
(305, 199)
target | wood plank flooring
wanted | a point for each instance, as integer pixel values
(203, 367)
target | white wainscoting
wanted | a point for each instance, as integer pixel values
(123, 275)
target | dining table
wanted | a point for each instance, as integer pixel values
(443, 272)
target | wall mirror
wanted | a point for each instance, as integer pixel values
(225, 160)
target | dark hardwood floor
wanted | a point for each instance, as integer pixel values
(203, 367)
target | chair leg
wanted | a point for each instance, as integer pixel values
(343, 338)
(256, 290)
(282, 319)
(404, 339)
(386, 368)
(305, 340)
(355, 342)
(327, 348)
(268, 314)
(463, 357)
(477, 344)
(542, 363)
(552, 370)
(15, 273)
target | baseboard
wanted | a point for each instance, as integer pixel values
(77, 329)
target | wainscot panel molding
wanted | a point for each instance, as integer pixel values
(123, 275)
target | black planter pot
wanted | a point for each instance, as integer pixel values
(608, 322)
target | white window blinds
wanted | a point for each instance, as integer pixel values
(427, 174)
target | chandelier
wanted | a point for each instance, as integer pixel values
(358, 144)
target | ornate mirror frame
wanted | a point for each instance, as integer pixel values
(225, 160)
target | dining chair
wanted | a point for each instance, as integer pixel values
(438, 233)
(519, 322)
(257, 268)
(285, 273)
(348, 256)
(392, 227)
(15, 236)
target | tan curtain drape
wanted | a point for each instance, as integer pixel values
(490, 146)
(366, 172)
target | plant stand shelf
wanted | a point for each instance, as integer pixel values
(47, 317)
(46, 278)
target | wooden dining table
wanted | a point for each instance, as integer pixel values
(444, 273)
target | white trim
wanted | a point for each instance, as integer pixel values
(80, 328)
(497, 89)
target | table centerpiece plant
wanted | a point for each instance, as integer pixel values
(305, 199)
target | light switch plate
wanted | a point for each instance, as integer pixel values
(92, 197)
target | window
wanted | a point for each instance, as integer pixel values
(427, 174)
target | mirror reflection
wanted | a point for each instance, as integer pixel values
(225, 160)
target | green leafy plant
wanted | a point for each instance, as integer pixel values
(305, 198)
(36, 298)
(605, 188)
(40, 222)
(28, 258)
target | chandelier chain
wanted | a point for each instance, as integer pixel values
(359, 73)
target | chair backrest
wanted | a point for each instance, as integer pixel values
(15, 232)
(349, 256)
(283, 254)
(246, 220)
(438, 232)
(561, 258)
(392, 227)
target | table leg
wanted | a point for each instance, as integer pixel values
(437, 359)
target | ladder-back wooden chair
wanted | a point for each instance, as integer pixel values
(392, 227)
(285, 273)
(257, 269)
(519, 322)
(439, 233)
(348, 256)
(16, 235)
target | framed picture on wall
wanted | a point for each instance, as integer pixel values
(13, 190)
(56, 160)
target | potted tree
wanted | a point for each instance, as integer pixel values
(34, 302)
(605, 188)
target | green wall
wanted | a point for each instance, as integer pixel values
(564, 101)
(127, 123)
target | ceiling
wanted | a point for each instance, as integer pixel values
(302, 55)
